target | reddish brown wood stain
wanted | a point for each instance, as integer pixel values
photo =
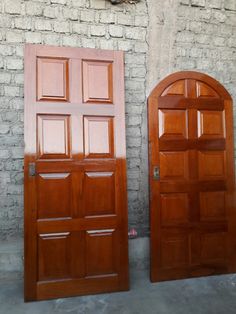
(192, 204)
(76, 204)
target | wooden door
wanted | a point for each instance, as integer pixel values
(191, 178)
(75, 172)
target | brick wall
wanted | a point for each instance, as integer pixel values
(158, 37)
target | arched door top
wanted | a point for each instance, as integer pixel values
(199, 85)
(191, 176)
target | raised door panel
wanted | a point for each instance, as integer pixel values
(100, 252)
(54, 195)
(177, 88)
(97, 81)
(173, 124)
(213, 247)
(174, 165)
(211, 124)
(204, 90)
(53, 137)
(52, 79)
(174, 251)
(53, 256)
(99, 193)
(98, 137)
(212, 205)
(174, 208)
(211, 165)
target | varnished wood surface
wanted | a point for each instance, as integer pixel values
(192, 205)
(76, 229)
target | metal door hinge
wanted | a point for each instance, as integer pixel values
(156, 173)
(32, 170)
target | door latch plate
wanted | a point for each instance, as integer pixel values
(156, 173)
(32, 170)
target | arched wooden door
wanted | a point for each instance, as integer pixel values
(191, 166)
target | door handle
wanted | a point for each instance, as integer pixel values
(32, 170)
(156, 173)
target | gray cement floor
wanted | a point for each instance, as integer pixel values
(209, 295)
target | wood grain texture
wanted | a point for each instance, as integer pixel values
(76, 225)
(192, 206)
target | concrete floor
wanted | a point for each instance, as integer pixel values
(209, 295)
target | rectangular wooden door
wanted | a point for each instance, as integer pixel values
(193, 216)
(76, 238)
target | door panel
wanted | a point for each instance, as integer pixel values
(101, 257)
(174, 251)
(99, 192)
(192, 205)
(76, 239)
(54, 195)
(207, 129)
(174, 165)
(177, 88)
(52, 79)
(53, 136)
(211, 165)
(97, 90)
(204, 90)
(98, 137)
(54, 256)
(174, 208)
(212, 205)
(213, 247)
(173, 124)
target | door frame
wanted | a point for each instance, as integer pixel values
(153, 154)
